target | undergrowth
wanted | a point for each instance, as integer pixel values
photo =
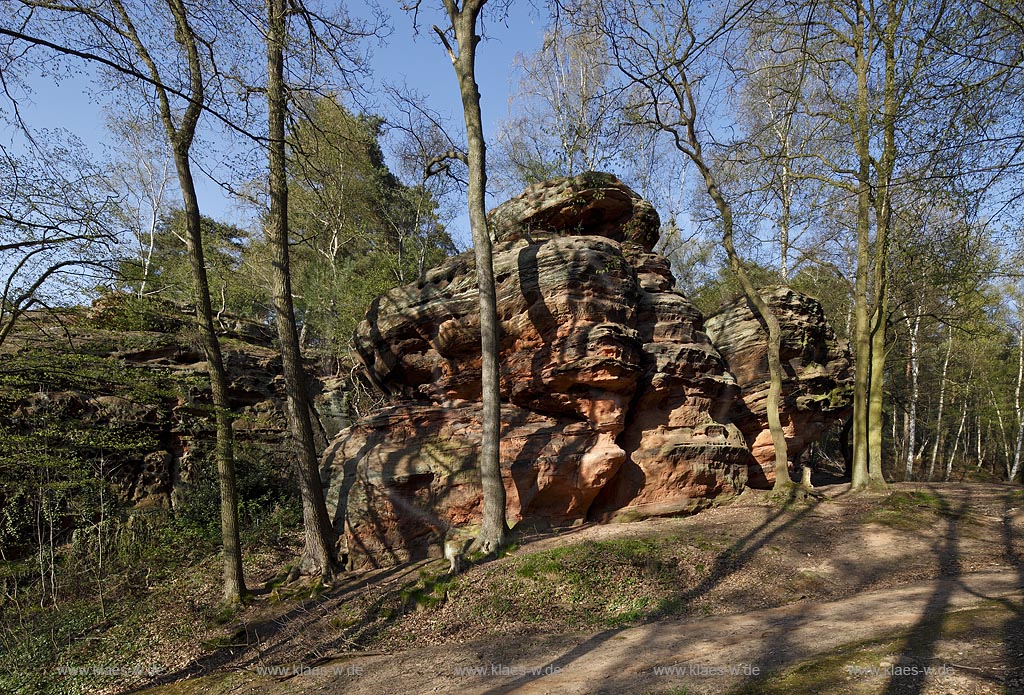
(909, 510)
(593, 584)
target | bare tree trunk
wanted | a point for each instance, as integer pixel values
(862, 329)
(783, 480)
(494, 528)
(234, 586)
(897, 445)
(915, 394)
(147, 257)
(147, 253)
(981, 451)
(876, 393)
(805, 478)
(901, 444)
(1005, 440)
(318, 556)
(181, 138)
(956, 444)
(942, 399)
(874, 199)
(884, 167)
(1012, 470)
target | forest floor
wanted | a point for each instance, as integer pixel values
(916, 590)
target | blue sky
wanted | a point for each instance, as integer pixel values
(422, 62)
(417, 59)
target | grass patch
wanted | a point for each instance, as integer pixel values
(909, 511)
(594, 584)
(213, 684)
(428, 592)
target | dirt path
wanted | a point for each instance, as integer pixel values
(873, 594)
(701, 652)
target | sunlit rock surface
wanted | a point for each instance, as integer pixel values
(616, 403)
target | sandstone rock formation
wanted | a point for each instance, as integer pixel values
(817, 389)
(617, 405)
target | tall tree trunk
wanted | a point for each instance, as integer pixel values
(872, 317)
(900, 442)
(981, 451)
(1004, 439)
(876, 394)
(147, 251)
(1012, 470)
(494, 528)
(862, 329)
(895, 439)
(942, 400)
(883, 222)
(318, 556)
(783, 480)
(234, 582)
(180, 127)
(915, 372)
(956, 444)
(181, 137)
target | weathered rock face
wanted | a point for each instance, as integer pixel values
(617, 403)
(411, 471)
(683, 449)
(593, 203)
(817, 389)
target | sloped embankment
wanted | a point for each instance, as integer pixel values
(848, 587)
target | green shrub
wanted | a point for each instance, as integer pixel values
(129, 312)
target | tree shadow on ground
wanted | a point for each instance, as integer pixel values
(917, 652)
(1013, 630)
(915, 663)
(244, 647)
(729, 561)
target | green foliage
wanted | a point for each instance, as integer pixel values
(268, 499)
(54, 436)
(725, 288)
(36, 650)
(101, 620)
(130, 312)
(427, 592)
(50, 475)
(45, 371)
(358, 230)
(233, 267)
